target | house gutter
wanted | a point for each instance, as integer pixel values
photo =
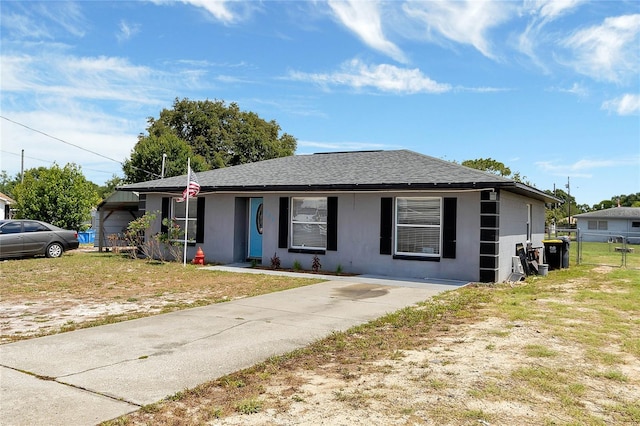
(391, 187)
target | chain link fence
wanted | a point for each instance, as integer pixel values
(608, 249)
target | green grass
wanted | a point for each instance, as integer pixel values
(92, 278)
(595, 253)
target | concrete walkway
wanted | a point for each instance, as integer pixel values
(91, 375)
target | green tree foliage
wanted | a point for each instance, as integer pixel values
(109, 186)
(60, 196)
(496, 167)
(631, 200)
(7, 183)
(488, 165)
(223, 135)
(146, 158)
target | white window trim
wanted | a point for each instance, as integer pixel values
(292, 222)
(396, 226)
(193, 209)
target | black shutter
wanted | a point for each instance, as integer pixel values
(386, 224)
(165, 214)
(332, 223)
(449, 217)
(283, 223)
(200, 221)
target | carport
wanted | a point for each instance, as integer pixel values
(114, 215)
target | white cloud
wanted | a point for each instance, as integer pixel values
(465, 22)
(23, 27)
(627, 104)
(126, 31)
(608, 51)
(225, 11)
(63, 76)
(384, 77)
(363, 18)
(110, 136)
(542, 12)
(575, 89)
(584, 167)
(65, 14)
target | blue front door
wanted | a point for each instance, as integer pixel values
(255, 228)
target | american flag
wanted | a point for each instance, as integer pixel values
(193, 187)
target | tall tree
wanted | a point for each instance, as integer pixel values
(7, 183)
(109, 186)
(629, 200)
(61, 196)
(223, 135)
(147, 157)
(488, 165)
(496, 167)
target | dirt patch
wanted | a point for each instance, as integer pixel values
(468, 375)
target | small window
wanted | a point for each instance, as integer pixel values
(635, 224)
(592, 225)
(11, 228)
(34, 227)
(603, 225)
(529, 215)
(309, 222)
(418, 226)
(178, 215)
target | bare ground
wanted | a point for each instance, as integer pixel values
(481, 370)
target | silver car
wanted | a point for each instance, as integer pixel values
(22, 238)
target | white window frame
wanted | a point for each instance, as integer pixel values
(437, 251)
(310, 221)
(192, 220)
(529, 221)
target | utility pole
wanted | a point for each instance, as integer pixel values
(22, 167)
(164, 157)
(569, 200)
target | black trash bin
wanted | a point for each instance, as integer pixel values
(566, 241)
(553, 253)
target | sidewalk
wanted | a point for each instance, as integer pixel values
(96, 374)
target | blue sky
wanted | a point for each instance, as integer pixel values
(550, 88)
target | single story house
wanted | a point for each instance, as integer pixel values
(394, 213)
(5, 206)
(113, 216)
(610, 225)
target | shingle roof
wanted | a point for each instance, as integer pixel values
(612, 213)
(362, 170)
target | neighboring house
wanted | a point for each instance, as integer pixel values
(394, 213)
(113, 216)
(5, 206)
(610, 224)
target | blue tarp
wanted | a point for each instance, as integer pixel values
(86, 237)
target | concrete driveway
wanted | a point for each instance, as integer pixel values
(91, 375)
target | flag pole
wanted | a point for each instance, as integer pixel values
(186, 214)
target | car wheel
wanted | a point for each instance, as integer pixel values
(54, 250)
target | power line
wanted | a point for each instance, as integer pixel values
(51, 162)
(26, 156)
(60, 140)
(77, 146)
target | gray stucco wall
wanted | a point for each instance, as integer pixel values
(513, 230)
(359, 239)
(359, 233)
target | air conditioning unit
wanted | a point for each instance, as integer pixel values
(516, 265)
